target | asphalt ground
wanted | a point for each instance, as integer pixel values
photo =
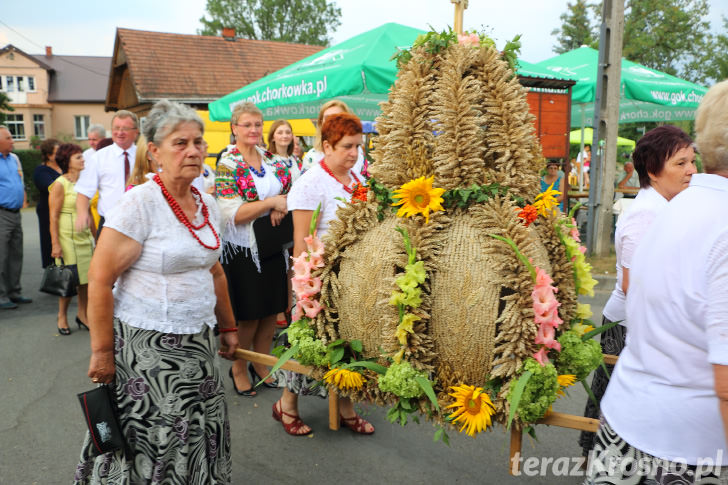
(41, 426)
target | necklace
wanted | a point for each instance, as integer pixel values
(348, 190)
(260, 174)
(182, 217)
(288, 161)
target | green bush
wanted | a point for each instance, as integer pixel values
(29, 159)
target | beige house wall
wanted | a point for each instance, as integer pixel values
(63, 119)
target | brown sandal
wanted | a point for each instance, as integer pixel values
(357, 424)
(293, 428)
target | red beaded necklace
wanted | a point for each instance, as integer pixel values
(182, 217)
(349, 190)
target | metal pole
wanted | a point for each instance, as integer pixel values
(580, 156)
(606, 124)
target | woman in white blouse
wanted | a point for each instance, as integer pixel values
(281, 144)
(250, 185)
(665, 160)
(666, 407)
(327, 184)
(150, 339)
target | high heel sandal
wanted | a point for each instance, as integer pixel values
(255, 378)
(64, 331)
(294, 427)
(81, 325)
(247, 393)
(357, 424)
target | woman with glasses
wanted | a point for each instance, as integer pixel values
(250, 185)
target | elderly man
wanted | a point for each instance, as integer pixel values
(108, 169)
(629, 179)
(95, 134)
(12, 199)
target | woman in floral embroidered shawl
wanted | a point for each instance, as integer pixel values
(249, 185)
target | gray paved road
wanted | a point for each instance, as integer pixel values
(41, 427)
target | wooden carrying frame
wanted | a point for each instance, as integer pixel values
(554, 419)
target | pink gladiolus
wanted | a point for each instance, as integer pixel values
(549, 319)
(547, 336)
(310, 308)
(306, 288)
(541, 356)
(316, 260)
(575, 231)
(296, 316)
(542, 278)
(582, 249)
(314, 245)
(302, 267)
(472, 40)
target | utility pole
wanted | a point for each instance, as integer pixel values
(606, 124)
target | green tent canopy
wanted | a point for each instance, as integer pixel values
(646, 94)
(575, 138)
(358, 71)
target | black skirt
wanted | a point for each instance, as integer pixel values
(254, 294)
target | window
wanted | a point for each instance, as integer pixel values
(9, 84)
(15, 126)
(82, 124)
(39, 126)
(21, 86)
(31, 84)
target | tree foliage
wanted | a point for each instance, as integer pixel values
(672, 36)
(298, 21)
(717, 62)
(4, 106)
(576, 28)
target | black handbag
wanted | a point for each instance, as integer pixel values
(60, 280)
(271, 240)
(101, 415)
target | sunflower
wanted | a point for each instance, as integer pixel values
(418, 197)
(565, 380)
(473, 408)
(344, 379)
(546, 201)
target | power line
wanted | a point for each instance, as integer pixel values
(61, 58)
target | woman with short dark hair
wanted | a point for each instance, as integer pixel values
(665, 160)
(326, 184)
(74, 247)
(43, 176)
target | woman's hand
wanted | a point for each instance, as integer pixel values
(101, 369)
(279, 203)
(56, 251)
(276, 217)
(229, 340)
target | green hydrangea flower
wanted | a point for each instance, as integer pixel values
(539, 393)
(400, 380)
(578, 357)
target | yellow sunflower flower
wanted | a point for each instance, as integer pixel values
(473, 408)
(344, 379)
(546, 201)
(565, 380)
(418, 197)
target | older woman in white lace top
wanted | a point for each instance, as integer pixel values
(150, 340)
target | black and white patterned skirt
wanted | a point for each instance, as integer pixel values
(172, 412)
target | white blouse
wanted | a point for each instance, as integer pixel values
(169, 288)
(631, 227)
(314, 187)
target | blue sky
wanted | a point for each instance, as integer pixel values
(88, 28)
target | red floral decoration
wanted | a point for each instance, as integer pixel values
(360, 193)
(528, 214)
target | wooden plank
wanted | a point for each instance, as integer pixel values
(516, 442)
(570, 421)
(271, 360)
(333, 411)
(610, 359)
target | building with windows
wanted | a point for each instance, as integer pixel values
(52, 95)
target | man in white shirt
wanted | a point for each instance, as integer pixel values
(108, 169)
(95, 134)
